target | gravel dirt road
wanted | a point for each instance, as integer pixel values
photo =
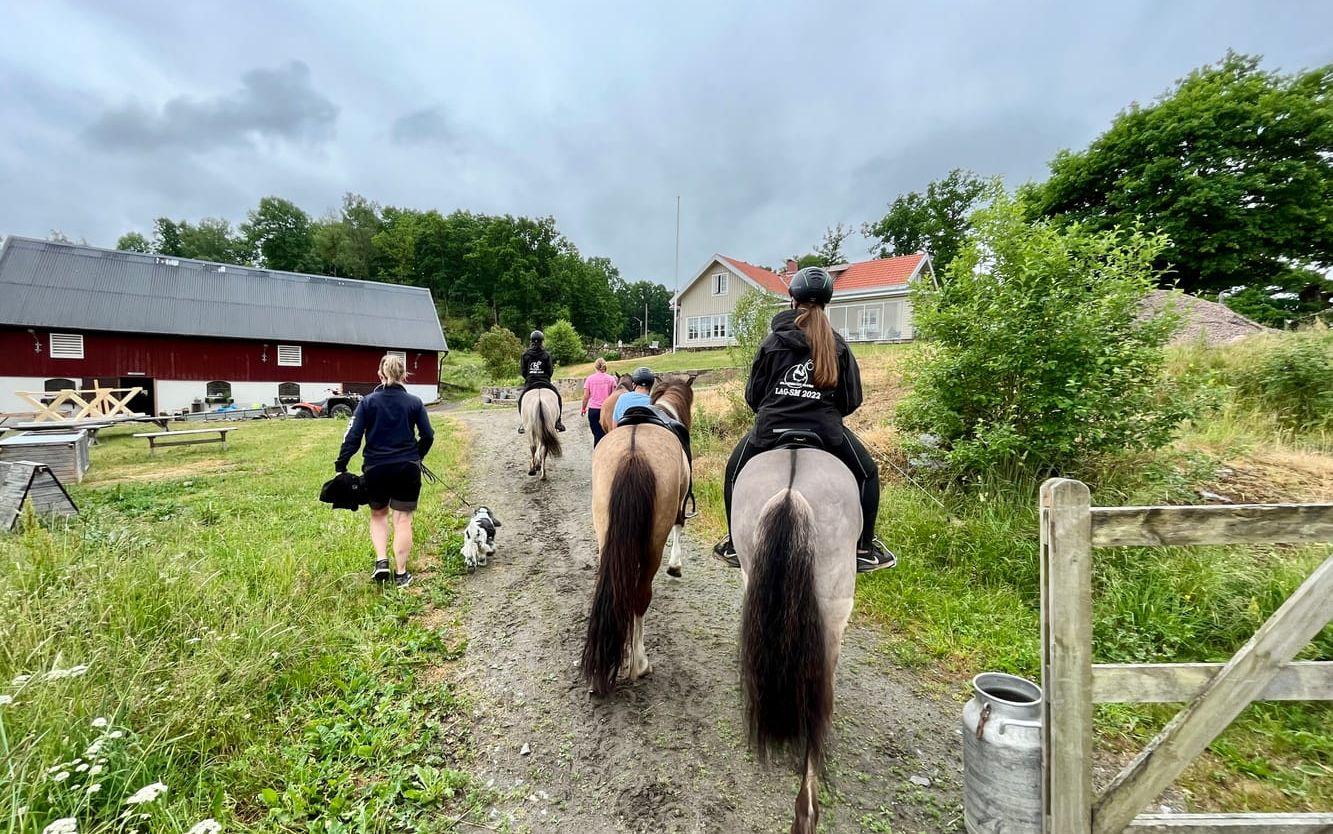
(667, 753)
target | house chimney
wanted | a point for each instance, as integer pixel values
(791, 266)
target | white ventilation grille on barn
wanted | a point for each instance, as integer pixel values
(401, 354)
(66, 346)
(289, 355)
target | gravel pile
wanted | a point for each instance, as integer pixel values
(1214, 323)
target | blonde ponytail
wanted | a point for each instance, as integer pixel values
(393, 370)
(823, 347)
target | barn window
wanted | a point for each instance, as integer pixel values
(289, 355)
(52, 386)
(218, 392)
(66, 346)
(289, 392)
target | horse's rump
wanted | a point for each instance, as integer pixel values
(542, 418)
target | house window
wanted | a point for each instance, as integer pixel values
(289, 355)
(66, 346)
(708, 327)
(289, 392)
(720, 283)
(217, 393)
(893, 320)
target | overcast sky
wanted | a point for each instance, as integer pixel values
(771, 119)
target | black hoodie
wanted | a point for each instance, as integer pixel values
(782, 388)
(536, 365)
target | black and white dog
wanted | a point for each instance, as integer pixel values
(479, 538)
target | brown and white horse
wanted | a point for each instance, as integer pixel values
(623, 383)
(541, 411)
(640, 477)
(799, 571)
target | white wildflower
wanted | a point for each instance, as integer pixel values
(208, 826)
(99, 722)
(147, 794)
(64, 825)
(6, 700)
(95, 769)
(81, 768)
(94, 787)
(95, 747)
(19, 680)
(71, 672)
(61, 776)
(116, 734)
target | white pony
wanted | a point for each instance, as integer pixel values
(540, 415)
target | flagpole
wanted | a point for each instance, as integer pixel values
(675, 307)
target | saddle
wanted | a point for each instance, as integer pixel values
(798, 439)
(651, 415)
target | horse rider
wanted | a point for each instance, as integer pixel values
(537, 369)
(805, 378)
(643, 379)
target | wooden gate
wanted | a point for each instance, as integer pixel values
(1214, 693)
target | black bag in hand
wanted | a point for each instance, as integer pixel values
(344, 491)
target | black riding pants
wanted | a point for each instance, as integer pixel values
(541, 383)
(851, 452)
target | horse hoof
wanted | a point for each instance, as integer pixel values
(673, 571)
(532, 472)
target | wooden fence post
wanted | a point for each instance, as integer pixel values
(1066, 621)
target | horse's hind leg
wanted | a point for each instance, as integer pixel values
(532, 459)
(674, 565)
(638, 655)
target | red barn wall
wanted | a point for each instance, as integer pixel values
(201, 358)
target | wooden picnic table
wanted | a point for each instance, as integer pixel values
(84, 403)
(155, 437)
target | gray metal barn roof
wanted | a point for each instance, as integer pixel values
(46, 284)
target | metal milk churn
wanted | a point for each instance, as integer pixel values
(1002, 756)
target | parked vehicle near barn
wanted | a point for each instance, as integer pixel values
(335, 405)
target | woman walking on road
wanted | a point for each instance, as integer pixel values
(596, 388)
(390, 464)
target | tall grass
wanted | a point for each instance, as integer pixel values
(224, 641)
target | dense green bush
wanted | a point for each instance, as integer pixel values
(565, 344)
(1036, 359)
(646, 342)
(1290, 375)
(749, 326)
(611, 355)
(500, 350)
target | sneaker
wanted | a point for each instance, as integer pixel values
(725, 552)
(876, 558)
(402, 580)
(381, 571)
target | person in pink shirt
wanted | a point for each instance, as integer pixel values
(596, 388)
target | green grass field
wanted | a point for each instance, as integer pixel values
(206, 624)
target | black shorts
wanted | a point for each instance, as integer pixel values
(393, 485)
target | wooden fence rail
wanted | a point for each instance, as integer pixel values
(1213, 693)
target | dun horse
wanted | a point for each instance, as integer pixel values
(799, 570)
(541, 409)
(640, 478)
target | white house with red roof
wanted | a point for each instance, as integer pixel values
(870, 302)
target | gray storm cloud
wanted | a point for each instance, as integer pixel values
(279, 103)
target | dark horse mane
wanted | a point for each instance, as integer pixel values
(677, 391)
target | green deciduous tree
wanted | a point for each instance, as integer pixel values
(1234, 165)
(634, 298)
(500, 349)
(1036, 359)
(212, 239)
(280, 232)
(564, 343)
(935, 221)
(134, 242)
(750, 320)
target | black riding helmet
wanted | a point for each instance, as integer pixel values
(811, 285)
(538, 336)
(643, 376)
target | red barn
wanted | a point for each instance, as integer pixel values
(189, 330)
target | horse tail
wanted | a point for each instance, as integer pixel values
(785, 663)
(624, 557)
(550, 437)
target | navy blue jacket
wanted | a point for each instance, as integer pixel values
(385, 418)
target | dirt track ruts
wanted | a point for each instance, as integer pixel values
(667, 753)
